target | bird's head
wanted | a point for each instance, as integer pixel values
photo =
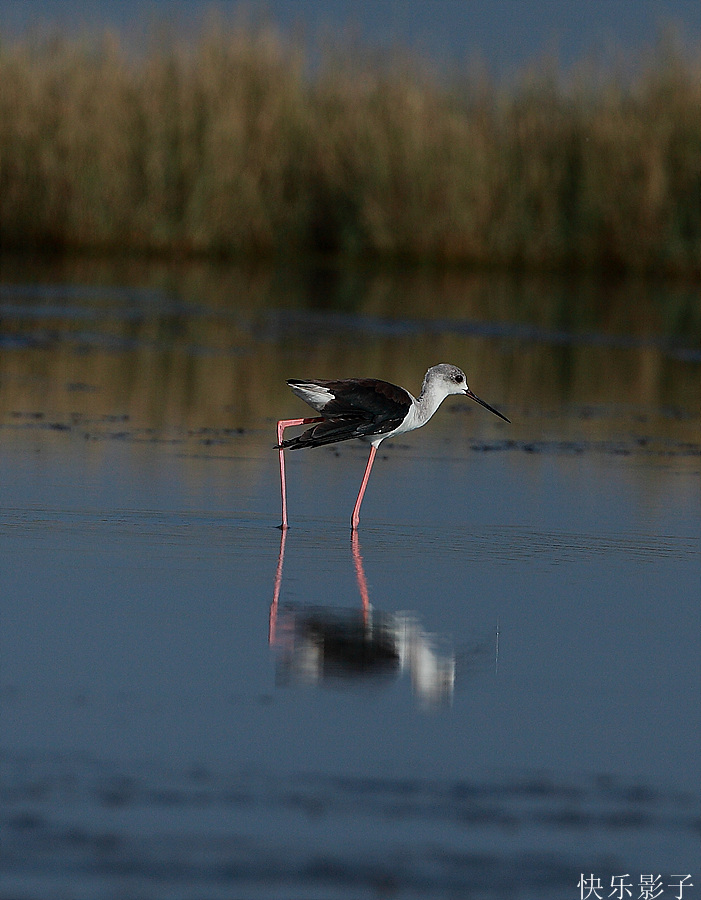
(452, 380)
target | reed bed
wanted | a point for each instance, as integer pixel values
(244, 142)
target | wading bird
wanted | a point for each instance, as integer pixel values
(368, 409)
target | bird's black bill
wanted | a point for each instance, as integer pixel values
(486, 405)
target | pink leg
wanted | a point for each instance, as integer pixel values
(281, 426)
(355, 518)
(360, 575)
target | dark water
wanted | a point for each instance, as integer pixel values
(495, 690)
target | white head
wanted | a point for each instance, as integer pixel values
(444, 379)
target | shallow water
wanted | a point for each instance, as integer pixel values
(495, 690)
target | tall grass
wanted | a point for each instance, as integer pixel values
(238, 143)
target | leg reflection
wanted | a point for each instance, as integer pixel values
(272, 618)
(319, 643)
(360, 576)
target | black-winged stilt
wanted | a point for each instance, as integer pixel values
(368, 409)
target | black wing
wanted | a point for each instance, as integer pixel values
(360, 407)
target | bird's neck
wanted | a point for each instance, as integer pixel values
(428, 402)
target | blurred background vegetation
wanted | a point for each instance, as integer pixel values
(186, 225)
(244, 142)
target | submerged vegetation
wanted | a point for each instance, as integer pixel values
(243, 142)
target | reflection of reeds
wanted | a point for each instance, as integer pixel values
(232, 145)
(205, 346)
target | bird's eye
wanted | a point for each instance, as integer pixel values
(458, 377)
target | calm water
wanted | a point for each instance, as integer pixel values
(495, 690)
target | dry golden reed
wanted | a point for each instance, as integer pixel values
(244, 142)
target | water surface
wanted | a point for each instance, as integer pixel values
(495, 690)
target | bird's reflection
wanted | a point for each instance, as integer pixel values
(316, 644)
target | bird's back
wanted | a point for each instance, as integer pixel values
(351, 408)
(353, 395)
